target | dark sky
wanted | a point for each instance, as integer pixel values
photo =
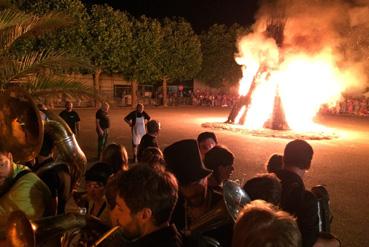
(200, 13)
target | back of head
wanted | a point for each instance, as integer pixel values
(274, 163)
(145, 187)
(265, 187)
(206, 135)
(259, 224)
(152, 156)
(218, 156)
(116, 156)
(99, 172)
(153, 126)
(298, 153)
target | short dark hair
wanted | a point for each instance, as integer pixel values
(265, 186)
(143, 186)
(206, 135)
(274, 163)
(152, 156)
(298, 153)
(219, 155)
(116, 156)
(259, 224)
(153, 126)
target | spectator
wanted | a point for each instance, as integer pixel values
(71, 117)
(136, 120)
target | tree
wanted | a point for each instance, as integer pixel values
(180, 55)
(33, 70)
(109, 40)
(218, 49)
(141, 66)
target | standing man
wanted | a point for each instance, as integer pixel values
(102, 127)
(71, 117)
(137, 120)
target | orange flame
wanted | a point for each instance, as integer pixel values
(304, 82)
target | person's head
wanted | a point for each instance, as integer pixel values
(116, 156)
(96, 178)
(259, 224)
(105, 106)
(298, 153)
(152, 156)
(6, 165)
(206, 141)
(220, 159)
(68, 105)
(274, 163)
(146, 199)
(41, 107)
(153, 127)
(195, 193)
(140, 107)
(265, 187)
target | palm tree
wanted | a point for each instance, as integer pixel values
(37, 71)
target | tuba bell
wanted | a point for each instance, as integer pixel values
(226, 211)
(20, 231)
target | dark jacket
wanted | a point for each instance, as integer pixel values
(164, 237)
(301, 203)
(146, 141)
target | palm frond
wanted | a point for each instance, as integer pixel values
(49, 86)
(15, 25)
(12, 70)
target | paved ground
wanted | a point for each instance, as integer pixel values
(341, 164)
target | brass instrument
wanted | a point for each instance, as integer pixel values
(21, 231)
(68, 150)
(227, 210)
(21, 129)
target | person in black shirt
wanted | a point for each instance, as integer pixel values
(71, 117)
(149, 139)
(137, 120)
(144, 205)
(102, 127)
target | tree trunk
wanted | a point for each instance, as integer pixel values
(134, 93)
(165, 96)
(96, 83)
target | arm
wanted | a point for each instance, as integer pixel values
(128, 119)
(98, 127)
(77, 123)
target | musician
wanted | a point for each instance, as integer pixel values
(196, 198)
(219, 159)
(115, 155)
(58, 178)
(206, 141)
(20, 189)
(266, 187)
(144, 205)
(261, 224)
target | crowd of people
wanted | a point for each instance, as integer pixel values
(164, 197)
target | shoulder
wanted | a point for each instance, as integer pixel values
(29, 182)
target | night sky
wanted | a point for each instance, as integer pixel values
(200, 13)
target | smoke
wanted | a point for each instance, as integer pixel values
(315, 26)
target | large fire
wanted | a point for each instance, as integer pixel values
(304, 79)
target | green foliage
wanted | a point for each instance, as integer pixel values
(109, 39)
(218, 48)
(31, 67)
(180, 56)
(144, 51)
